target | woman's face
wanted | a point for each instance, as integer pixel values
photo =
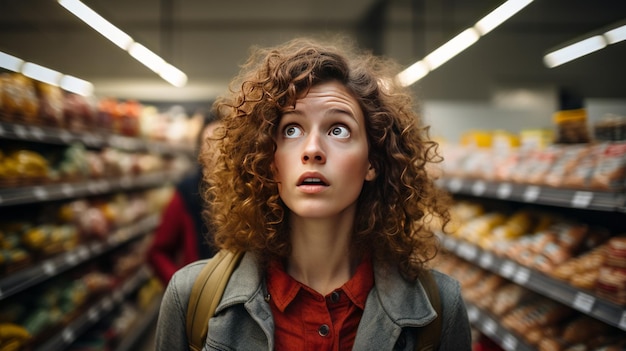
(321, 159)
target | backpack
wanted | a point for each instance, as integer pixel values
(210, 284)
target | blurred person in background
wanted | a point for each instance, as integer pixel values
(182, 236)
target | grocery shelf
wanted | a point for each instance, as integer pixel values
(68, 190)
(145, 321)
(610, 201)
(50, 135)
(581, 300)
(489, 326)
(28, 277)
(93, 315)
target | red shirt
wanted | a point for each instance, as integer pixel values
(174, 243)
(306, 320)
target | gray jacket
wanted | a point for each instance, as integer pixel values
(244, 319)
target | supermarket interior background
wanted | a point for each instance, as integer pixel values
(535, 158)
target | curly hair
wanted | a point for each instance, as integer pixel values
(395, 211)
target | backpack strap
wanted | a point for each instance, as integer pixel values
(428, 337)
(206, 295)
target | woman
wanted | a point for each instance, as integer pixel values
(322, 181)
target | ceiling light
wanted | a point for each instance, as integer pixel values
(76, 85)
(574, 51)
(11, 63)
(415, 72)
(41, 73)
(97, 22)
(46, 75)
(461, 42)
(173, 75)
(616, 35)
(141, 53)
(499, 15)
(147, 57)
(452, 48)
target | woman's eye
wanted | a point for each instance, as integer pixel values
(340, 131)
(292, 131)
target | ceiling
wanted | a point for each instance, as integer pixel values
(208, 40)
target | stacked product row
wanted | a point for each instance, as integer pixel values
(81, 191)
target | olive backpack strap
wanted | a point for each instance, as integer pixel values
(206, 295)
(429, 336)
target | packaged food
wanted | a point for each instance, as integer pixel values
(571, 126)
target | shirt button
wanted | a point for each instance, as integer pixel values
(334, 296)
(323, 330)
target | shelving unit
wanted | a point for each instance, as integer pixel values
(534, 194)
(581, 300)
(586, 302)
(24, 279)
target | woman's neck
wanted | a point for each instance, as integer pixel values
(321, 257)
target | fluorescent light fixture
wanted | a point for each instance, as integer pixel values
(173, 75)
(76, 85)
(9, 62)
(616, 35)
(147, 57)
(97, 22)
(461, 42)
(452, 48)
(574, 51)
(46, 75)
(412, 74)
(499, 15)
(41, 73)
(141, 53)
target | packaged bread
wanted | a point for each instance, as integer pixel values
(610, 172)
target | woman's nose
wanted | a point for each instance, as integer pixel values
(313, 149)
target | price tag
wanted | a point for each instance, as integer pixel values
(490, 326)
(92, 187)
(37, 133)
(504, 190)
(68, 335)
(83, 252)
(479, 187)
(96, 247)
(71, 258)
(93, 314)
(49, 268)
(584, 302)
(40, 193)
(622, 321)
(67, 190)
(467, 251)
(521, 275)
(531, 194)
(1, 199)
(65, 136)
(1, 130)
(486, 260)
(509, 342)
(582, 199)
(507, 269)
(472, 314)
(449, 243)
(20, 131)
(455, 185)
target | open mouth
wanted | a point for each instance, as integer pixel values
(312, 181)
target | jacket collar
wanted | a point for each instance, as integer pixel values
(392, 304)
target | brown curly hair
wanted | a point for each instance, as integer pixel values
(394, 211)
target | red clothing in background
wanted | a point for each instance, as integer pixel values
(175, 240)
(306, 320)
